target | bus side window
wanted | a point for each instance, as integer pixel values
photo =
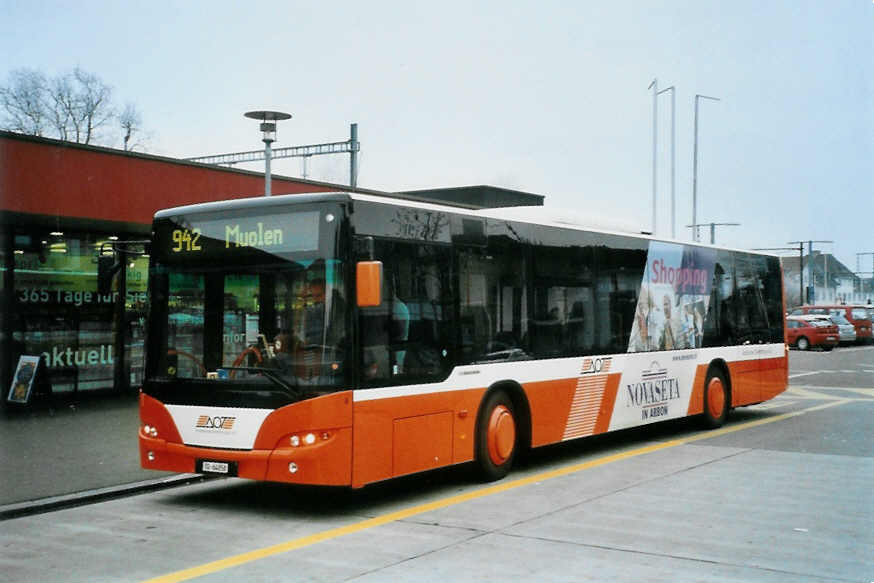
(620, 264)
(720, 324)
(408, 337)
(751, 318)
(493, 303)
(773, 294)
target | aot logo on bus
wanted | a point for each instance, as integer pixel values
(207, 422)
(596, 365)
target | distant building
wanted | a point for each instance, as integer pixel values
(833, 282)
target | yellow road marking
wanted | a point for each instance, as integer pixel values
(236, 560)
(773, 405)
(866, 392)
(808, 394)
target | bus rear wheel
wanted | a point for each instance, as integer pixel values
(496, 436)
(716, 399)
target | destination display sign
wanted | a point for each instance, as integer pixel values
(193, 236)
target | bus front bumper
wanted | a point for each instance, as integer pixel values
(327, 461)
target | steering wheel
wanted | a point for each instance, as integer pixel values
(199, 364)
(252, 349)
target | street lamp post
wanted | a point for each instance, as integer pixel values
(695, 167)
(268, 129)
(673, 160)
(655, 113)
(655, 116)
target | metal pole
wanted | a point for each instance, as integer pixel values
(353, 155)
(695, 177)
(673, 164)
(695, 167)
(712, 233)
(655, 115)
(7, 304)
(121, 377)
(801, 272)
(268, 130)
(266, 167)
(673, 160)
(811, 291)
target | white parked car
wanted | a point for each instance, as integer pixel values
(846, 330)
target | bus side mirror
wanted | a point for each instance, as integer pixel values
(369, 283)
(106, 269)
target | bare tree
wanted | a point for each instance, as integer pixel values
(77, 105)
(95, 105)
(23, 102)
(80, 105)
(131, 123)
(61, 106)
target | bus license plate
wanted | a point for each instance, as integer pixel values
(211, 467)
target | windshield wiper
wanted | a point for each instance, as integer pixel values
(288, 389)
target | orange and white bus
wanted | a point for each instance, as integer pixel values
(344, 339)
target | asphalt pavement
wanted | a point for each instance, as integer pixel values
(72, 450)
(75, 449)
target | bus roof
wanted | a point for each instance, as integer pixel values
(536, 215)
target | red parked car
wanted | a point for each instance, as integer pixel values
(807, 332)
(859, 317)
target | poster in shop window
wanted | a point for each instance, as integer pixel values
(22, 381)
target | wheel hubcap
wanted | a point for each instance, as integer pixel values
(715, 398)
(502, 434)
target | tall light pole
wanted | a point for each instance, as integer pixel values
(268, 129)
(811, 288)
(655, 116)
(673, 160)
(695, 167)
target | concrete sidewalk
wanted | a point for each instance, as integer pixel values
(72, 450)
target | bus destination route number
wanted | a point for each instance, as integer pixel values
(186, 240)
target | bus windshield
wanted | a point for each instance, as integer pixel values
(270, 311)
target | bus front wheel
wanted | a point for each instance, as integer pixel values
(496, 436)
(716, 399)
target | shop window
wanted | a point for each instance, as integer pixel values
(58, 312)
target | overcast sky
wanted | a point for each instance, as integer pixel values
(545, 97)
